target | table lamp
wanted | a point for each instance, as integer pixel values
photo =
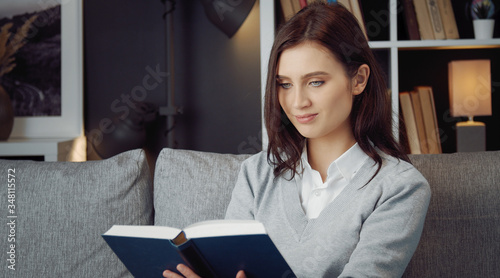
(470, 95)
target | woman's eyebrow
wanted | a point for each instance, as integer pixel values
(312, 74)
(305, 76)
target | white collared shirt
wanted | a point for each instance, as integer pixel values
(316, 195)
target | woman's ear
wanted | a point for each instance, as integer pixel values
(360, 80)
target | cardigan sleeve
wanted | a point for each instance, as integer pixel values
(241, 205)
(390, 234)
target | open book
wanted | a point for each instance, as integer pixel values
(216, 248)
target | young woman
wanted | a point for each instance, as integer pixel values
(335, 190)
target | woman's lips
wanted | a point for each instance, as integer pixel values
(304, 119)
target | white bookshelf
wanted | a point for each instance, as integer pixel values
(436, 44)
(267, 23)
(393, 45)
(51, 149)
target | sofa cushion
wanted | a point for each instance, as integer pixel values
(461, 236)
(191, 186)
(62, 208)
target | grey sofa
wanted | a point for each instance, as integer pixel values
(55, 212)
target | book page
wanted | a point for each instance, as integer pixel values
(145, 231)
(213, 228)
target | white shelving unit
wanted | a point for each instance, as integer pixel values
(267, 23)
(393, 45)
(51, 149)
(436, 44)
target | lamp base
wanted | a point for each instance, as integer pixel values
(471, 136)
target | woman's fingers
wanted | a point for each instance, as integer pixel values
(170, 274)
(241, 274)
(189, 273)
(184, 270)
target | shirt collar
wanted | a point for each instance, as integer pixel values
(347, 164)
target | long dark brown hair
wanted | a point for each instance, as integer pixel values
(334, 27)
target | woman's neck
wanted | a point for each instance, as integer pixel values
(322, 152)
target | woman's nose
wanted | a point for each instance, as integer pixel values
(301, 98)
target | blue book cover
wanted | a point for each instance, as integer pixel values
(217, 248)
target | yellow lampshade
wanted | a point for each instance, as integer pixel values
(470, 88)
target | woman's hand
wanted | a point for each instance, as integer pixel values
(183, 269)
(188, 273)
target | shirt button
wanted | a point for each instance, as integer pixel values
(317, 193)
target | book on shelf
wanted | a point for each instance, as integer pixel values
(430, 19)
(430, 118)
(345, 3)
(409, 122)
(448, 18)
(419, 115)
(321, 1)
(411, 20)
(436, 21)
(423, 20)
(216, 248)
(290, 7)
(354, 6)
(419, 121)
(357, 11)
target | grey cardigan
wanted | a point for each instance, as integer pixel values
(368, 230)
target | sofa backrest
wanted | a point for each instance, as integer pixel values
(461, 236)
(192, 186)
(59, 210)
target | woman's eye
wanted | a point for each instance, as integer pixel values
(316, 83)
(285, 85)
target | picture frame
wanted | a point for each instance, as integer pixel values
(69, 124)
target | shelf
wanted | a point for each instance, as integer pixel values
(436, 44)
(52, 149)
(390, 48)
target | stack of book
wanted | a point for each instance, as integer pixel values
(291, 7)
(419, 115)
(430, 20)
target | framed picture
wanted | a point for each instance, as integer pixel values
(46, 84)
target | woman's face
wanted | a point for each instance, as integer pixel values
(315, 92)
